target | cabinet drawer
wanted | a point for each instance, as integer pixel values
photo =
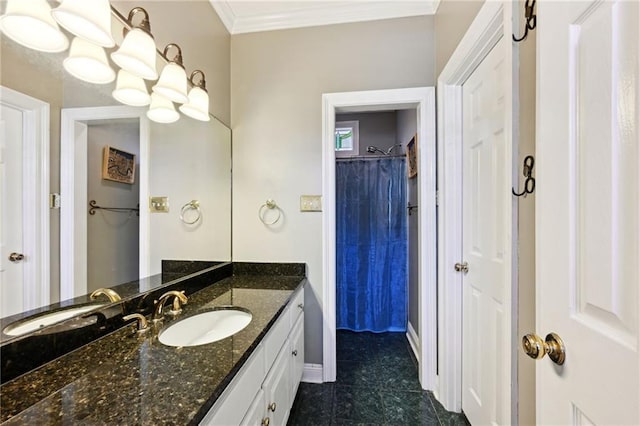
(232, 405)
(296, 306)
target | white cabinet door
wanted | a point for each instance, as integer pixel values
(277, 388)
(257, 412)
(297, 355)
(588, 211)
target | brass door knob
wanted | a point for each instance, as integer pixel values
(16, 257)
(462, 267)
(272, 407)
(265, 421)
(536, 348)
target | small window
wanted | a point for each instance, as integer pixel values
(346, 138)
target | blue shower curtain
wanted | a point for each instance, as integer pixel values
(371, 245)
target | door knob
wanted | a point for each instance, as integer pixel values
(536, 348)
(462, 267)
(16, 257)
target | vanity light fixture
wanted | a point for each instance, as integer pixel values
(29, 22)
(162, 110)
(131, 90)
(137, 54)
(198, 105)
(88, 62)
(87, 19)
(173, 79)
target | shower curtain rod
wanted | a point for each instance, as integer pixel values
(369, 157)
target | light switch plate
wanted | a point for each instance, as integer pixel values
(159, 204)
(311, 203)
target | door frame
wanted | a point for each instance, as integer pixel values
(423, 99)
(35, 205)
(493, 22)
(73, 189)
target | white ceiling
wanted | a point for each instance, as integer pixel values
(241, 16)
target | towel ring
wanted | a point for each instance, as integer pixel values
(191, 205)
(269, 205)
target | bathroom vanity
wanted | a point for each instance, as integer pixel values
(129, 377)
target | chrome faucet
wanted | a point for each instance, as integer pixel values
(111, 294)
(178, 299)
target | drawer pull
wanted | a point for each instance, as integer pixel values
(301, 306)
(295, 352)
(265, 421)
(272, 407)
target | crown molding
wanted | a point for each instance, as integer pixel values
(334, 14)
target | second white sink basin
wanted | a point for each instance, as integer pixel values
(42, 320)
(207, 327)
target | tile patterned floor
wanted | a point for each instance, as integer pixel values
(377, 384)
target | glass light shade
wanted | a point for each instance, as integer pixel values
(88, 19)
(198, 105)
(173, 83)
(131, 90)
(29, 23)
(137, 54)
(162, 110)
(88, 62)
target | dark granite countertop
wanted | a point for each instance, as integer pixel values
(128, 378)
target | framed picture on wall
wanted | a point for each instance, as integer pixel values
(118, 165)
(412, 162)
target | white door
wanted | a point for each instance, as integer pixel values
(486, 286)
(588, 211)
(11, 288)
(24, 213)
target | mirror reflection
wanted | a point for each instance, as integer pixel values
(159, 191)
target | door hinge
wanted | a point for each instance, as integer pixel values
(54, 201)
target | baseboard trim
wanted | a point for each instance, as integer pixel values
(414, 341)
(312, 373)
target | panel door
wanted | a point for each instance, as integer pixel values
(587, 211)
(11, 191)
(297, 355)
(486, 239)
(257, 412)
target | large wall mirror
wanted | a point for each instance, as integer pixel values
(60, 136)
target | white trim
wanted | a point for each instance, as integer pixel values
(492, 22)
(36, 220)
(312, 373)
(423, 99)
(326, 14)
(414, 340)
(73, 189)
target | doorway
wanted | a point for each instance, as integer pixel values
(74, 191)
(371, 212)
(422, 100)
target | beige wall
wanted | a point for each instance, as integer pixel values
(277, 82)
(451, 23)
(375, 128)
(526, 225)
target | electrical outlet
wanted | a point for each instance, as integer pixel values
(311, 203)
(159, 204)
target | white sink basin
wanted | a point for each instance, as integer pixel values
(21, 327)
(206, 327)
